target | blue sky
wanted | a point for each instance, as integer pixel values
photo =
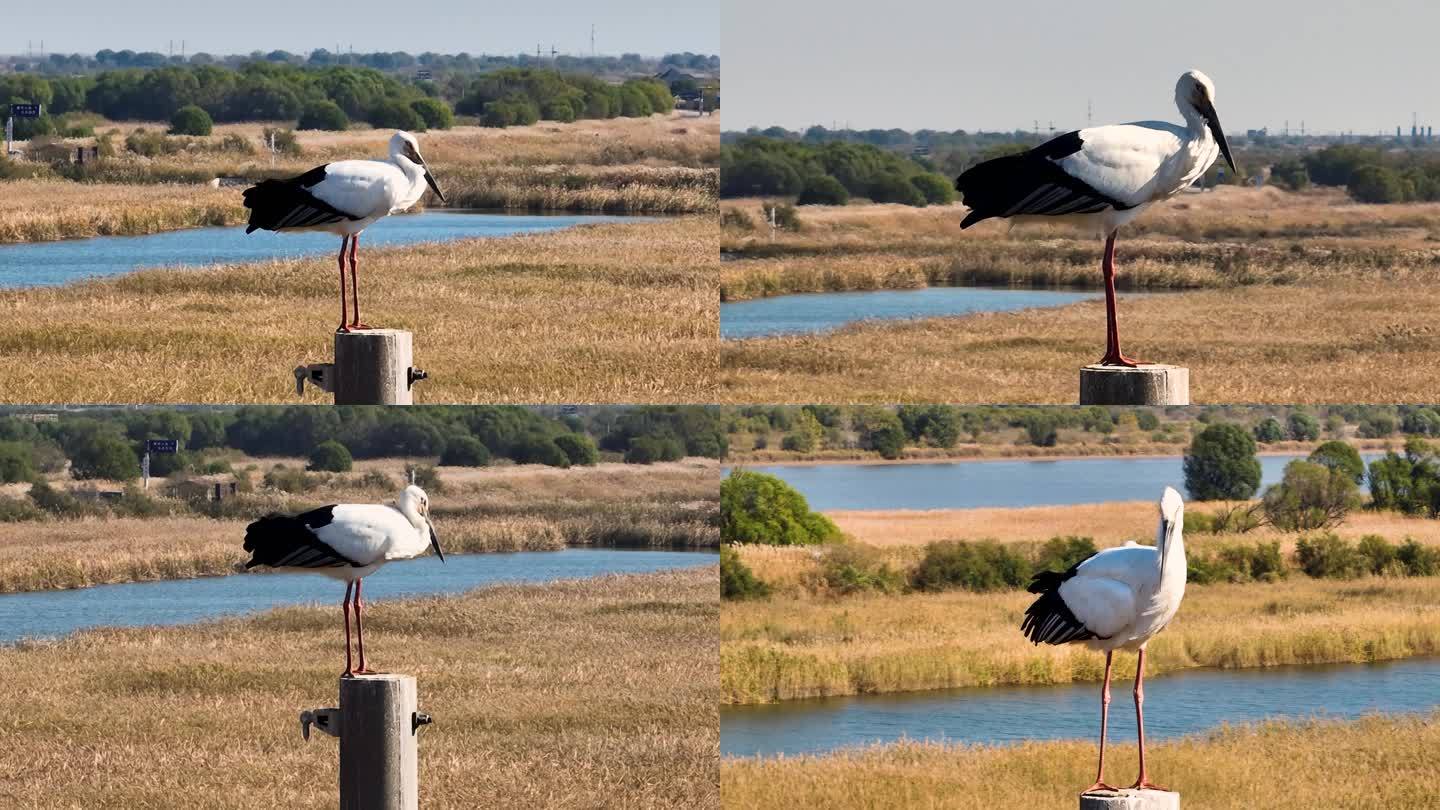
(947, 64)
(648, 27)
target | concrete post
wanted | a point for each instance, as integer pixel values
(1145, 385)
(1131, 800)
(378, 758)
(373, 367)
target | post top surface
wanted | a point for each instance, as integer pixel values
(1145, 368)
(372, 333)
(377, 677)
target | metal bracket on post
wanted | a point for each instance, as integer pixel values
(320, 375)
(414, 375)
(327, 720)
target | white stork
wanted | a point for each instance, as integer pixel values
(1104, 177)
(347, 542)
(1117, 599)
(344, 198)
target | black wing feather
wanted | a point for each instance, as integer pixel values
(277, 205)
(282, 541)
(1049, 619)
(1030, 184)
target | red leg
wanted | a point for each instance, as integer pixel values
(1104, 721)
(355, 286)
(345, 606)
(1143, 783)
(1113, 355)
(360, 628)
(344, 317)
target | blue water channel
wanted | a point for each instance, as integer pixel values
(810, 313)
(43, 264)
(55, 613)
(1007, 483)
(1177, 704)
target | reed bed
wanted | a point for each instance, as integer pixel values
(673, 505)
(1377, 761)
(786, 648)
(45, 210)
(619, 312)
(573, 694)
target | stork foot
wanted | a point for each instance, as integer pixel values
(1115, 358)
(1100, 787)
(364, 671)
(1146, 784)
(347, 674)
(359, 327)
(342, 329)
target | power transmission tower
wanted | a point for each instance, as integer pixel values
(592, 39)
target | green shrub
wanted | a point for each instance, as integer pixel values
(394, 114)
(133, 502)
(16, 463)
(1419, 559)
(936, 190)
(1328, 556)
(1269, 430)
(983, 565)
(325, 115)
(17, 510)
(822, 189)
(737, 581)
(1221, 465)
(374, 479)
(191, 120)
(331, 456)
(1302, 427)
(853, 568)
(465, 451)
(60, 503)
(435, 113)
(729, 218)
(894, 188)
(1378, 184)
(103, 455)
(560, 111)
(510, 112)
(1041, 430)
(537, 449)
(785, 216)
(800, 441)
(579, 448)
(1197, 522)
(1311, 496)
(760, 508)
(1146, 420)
(650, 449)
(1377, 554)
(1341, 456)
(1060, 553)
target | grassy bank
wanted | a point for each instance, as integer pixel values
(791, 647)
(669, 505)
(1335, 301)
(1373, 762)
(568, 695)
(661, 164)
(621, 312)
(1334, 341)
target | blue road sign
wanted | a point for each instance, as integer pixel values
(25, 110)
(162, 446)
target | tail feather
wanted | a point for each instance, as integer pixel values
(282, 541)
(988, 189)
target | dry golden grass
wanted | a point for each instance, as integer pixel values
(793, 647)
(42, 210)
(516, 508)
(568, 695)
(1341, 341)
(661, 164)
(1373, 762)
(621, 312)
(1327, 284)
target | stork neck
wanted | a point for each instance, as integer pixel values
(407, 508)
(1172, 551)
(1195, 123)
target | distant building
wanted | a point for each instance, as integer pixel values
(218, 487)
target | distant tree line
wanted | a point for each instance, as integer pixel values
(107, 444)
(108, 59)
(332, 96)
(828, 173)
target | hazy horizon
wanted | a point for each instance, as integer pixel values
(965, 65)
(645, 27)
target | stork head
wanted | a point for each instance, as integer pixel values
(403, 146)
(415, 504)
(1195, 96)
(1172, 523)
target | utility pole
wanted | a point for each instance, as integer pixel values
(592, 39)
(1090, 112)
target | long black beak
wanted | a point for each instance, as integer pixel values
(1213, 122)
(435, 543)
(430, 181)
